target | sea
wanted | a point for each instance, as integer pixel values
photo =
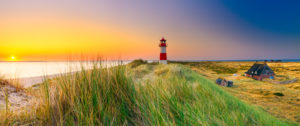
(13, 70)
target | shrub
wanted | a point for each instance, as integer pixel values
(137, 62)
(278, 94)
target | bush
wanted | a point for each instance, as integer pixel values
(137, 62)
(278, 94)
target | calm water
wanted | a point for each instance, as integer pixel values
(33, 69)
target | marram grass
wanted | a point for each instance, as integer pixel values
(165, 95)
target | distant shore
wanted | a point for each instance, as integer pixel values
(250, 60)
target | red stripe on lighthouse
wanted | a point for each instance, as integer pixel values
(163, 45)
(163, 56)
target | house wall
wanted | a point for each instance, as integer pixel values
(266, 76)
(248, 75)
(262, 76)
(257, 77)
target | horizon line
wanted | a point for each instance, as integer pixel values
(193, 60)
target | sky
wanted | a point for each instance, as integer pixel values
(35, 30)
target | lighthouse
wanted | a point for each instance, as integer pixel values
(163, 51)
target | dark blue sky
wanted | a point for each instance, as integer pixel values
(268, 19)
(278, 17)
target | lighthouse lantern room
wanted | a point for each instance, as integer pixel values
(163, 51)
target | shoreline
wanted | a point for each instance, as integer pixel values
(27, 82)
(30, 81)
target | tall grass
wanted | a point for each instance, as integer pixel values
(99, 96)
(179, 96)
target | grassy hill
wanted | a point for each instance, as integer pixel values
(141, 95)
(280, 100)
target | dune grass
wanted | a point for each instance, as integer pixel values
(179, 96)
(137, 62)
(175, 96)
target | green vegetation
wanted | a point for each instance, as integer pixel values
(260, 93)
(278, 94)
(296, 70)
(136, 63)
(213, 66)
(165, 95)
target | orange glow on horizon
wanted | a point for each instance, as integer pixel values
(48, 39)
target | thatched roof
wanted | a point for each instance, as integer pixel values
(258, 69)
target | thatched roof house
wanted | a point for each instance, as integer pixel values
(260, 71)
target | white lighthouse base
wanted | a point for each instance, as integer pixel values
(163, 61)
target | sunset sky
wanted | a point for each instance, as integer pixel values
(130, 29)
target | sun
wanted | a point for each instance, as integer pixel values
(13, 58)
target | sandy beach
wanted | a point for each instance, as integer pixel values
(30, 81)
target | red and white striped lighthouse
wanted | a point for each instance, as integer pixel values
(163, 51)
